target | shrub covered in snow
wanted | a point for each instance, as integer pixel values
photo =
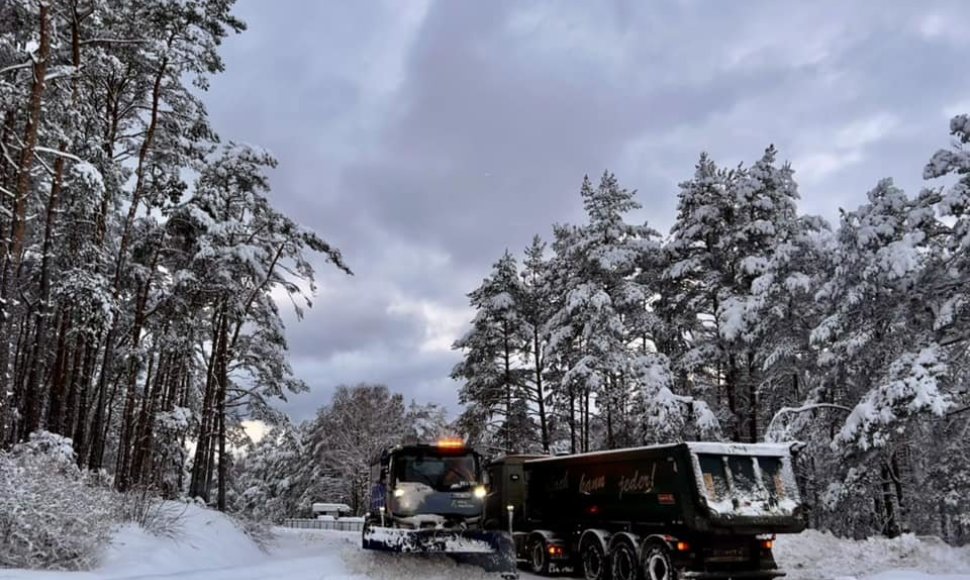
(56, 516)
(51, 515)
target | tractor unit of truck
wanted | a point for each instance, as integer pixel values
(666, 512)
(429, 498)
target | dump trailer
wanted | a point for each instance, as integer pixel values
(429, 499)
(665, 512)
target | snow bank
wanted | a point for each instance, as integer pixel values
(204, 538)
(814, 555)
(201, 539)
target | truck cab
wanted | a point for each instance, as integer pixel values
(430, 499)
(429, 486)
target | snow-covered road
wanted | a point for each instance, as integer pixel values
(208, 546)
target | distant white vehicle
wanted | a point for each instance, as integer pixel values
(330, 511)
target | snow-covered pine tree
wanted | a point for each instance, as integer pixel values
(536, 307)
(880, 360)
(947, 462)
(699, 288)
(737, 271)
(491, 370)
(242, 250)
(594, 333)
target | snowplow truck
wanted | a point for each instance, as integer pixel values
(429, 499)
(665, 512)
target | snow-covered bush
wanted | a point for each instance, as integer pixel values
(51, 516)
(145, 508)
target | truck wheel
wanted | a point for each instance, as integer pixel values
(657, 564)
(623, 558)
(538, 558)
(595, 563)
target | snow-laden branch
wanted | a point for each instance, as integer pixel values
(802, 409)
(113, 41)
(14, 67)
(64, 154)
(958, 411)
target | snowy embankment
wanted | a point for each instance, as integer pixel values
(207, 545)
(814, 555)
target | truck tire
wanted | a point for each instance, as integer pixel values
(538, 559)
(657, 564)
(624, 563)
(593, 561)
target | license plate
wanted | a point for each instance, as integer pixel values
(728, 555)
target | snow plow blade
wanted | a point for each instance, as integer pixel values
(492, 551)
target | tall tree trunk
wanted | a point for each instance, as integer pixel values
(898, 486)
(572, 420)
(75, 400)
(540, 394)
(730, 385)
(608, 403)
(14, 253)
(223, 457)
(754, 381)
(59, 397)
(200, 465)
(98, 427)
(141, 454)
(82, 433)
(891, 526)
(44, 311)
(126, 440)
(7, 172)
(508, 390)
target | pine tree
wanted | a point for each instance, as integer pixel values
(599, 290)
(536, 309)
(698, 284)
(490, 370)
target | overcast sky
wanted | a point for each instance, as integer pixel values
(424, 138)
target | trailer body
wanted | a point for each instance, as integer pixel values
(690, 510)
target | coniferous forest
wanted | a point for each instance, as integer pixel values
(748, 322)
(142, 265)
(138, 252)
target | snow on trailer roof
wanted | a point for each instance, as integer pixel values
(771, 449)
(330, 507)
(717, 448)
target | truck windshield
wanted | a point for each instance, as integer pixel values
(442, 473)
(743, 479)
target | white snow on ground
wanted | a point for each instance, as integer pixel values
(814, 555)
(209, 546)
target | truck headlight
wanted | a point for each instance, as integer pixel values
(398, 492)
(480, 491)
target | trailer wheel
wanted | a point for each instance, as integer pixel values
(657, 564)
(594, 561)
(624, 563)
(538, 558)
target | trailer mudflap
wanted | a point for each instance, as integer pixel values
(493, 551)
